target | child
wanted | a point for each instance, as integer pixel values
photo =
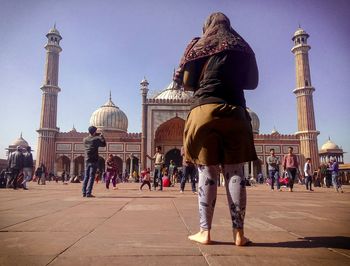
(146, 178)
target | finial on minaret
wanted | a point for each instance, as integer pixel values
(21, 135)
(329, 138)
(54, 25)
(110, 95)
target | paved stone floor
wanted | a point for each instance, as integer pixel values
(54, 225)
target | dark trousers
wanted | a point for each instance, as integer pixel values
(292, 172)
(88, 183)
(274, 176)
(308, 181)
(189, 171)
(111, 176)
(157, 179)
(145, 182)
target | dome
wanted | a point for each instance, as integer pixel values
(109, 117)
(274, 131)
(172, 92)
(330, 145)
(255, 121)
(20, 142)
(54, 31)
(299, 32)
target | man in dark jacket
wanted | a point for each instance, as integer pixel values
(27, 167)
(15, 166)
(91, 145)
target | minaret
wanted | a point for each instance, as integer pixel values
(306, 116)
(144, 91)
(48, 118)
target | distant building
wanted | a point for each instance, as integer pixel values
(331, 150)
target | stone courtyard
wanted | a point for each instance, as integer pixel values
(54, 225)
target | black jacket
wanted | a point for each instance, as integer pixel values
(16, 160)
(222, 78)
(91, 144)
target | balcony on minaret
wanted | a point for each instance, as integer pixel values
(53, 39)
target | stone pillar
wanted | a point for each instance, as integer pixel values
(251, 169)
(131, 166)
(124, 167)
(55, 168)
(246, 169)
(72, 166)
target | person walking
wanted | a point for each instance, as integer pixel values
(38, 172)
(189, 171)
(28, 164)
(273, 167)
(15, 164)
(111, 172)
(291, 165)
(308, 174)
(218, 67)
(63, 176)
(91, 145)
(334, 169)
(158, 158)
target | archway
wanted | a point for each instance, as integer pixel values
(63, 164)
(170, 132)
(135, 164)
(119, 162)
(79, 166)
(175, 155)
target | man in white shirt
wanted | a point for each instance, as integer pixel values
(158, 158)
(308, 174)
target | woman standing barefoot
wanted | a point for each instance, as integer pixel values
(218, 67)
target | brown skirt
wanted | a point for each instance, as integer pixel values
(218, 134)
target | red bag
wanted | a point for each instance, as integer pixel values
(284, 180)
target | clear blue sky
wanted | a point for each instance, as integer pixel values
(112, 45)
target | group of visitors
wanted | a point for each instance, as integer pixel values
(291, 170)
(20, 169)
(290, 167)
(169, 176)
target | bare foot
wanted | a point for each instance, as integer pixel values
(239, 238)
(203, 237)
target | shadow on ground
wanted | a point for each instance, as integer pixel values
(340, 242)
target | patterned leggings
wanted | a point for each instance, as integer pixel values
(235, 190)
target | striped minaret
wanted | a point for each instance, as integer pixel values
(306, 116)
(48, 118)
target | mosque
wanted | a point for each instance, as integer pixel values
(163, 119)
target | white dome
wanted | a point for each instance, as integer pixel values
(330, 145)
(20, 142)
(172, 92)
(255, 121)
(109, 117)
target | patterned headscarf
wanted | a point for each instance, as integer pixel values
(218, 36)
